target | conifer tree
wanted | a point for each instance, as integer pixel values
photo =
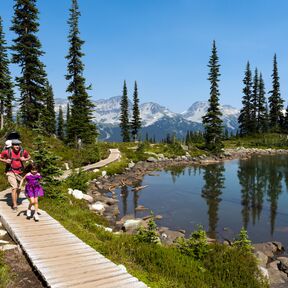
(6, 85)
(80, 126)
(275, 100)
(136, 120)
(26, 53)
(211, 120)
(60, 124)
(49, 119)
(262, 121)
(124, 116)
(254, 102)
(245, 113)
(67, 121)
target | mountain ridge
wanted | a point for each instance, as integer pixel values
(157, 120)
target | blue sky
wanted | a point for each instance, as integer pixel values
(164, 45)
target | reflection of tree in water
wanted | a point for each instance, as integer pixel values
(252, 176)
(124, 194)
(176, 172)
(212, 189)
(258, 177)
(136, 196)
(274, 189)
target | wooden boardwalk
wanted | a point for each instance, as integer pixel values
(113, 156)
(61, 258)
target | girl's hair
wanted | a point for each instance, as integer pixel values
(30, 167)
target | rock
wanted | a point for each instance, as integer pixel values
(261, 257)
(4, 242)
(276, 276)
(88, 198)
(148, 217)
(108, 229)
(77, 194)
(122, 268)
(151, 159)
(283, 265)
(132, 224)
(8, 247)
(66, 166)
(98, 207)
(158, 217)
(131, 165)
(268, 248)
(104, 173)
(264, 272)
(96, 170)
(2, 233)
(171, 235)
(141, 208)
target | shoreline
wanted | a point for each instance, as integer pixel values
(103, 189)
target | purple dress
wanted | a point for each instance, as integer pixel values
(33, 188)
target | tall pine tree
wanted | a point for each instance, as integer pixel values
(212, 119)
(80, 126)
(26, 53)
(254, 102)
(275, 100)
(60, 124)
(245, 113)
(262, 120)
(124, 116)
(136, 120)
(6, 85)
(49, 119)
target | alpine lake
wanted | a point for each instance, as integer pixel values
(221, 197)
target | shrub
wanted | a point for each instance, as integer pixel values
(149, 234)
(242, 241)
(196, 246)
(78, 180)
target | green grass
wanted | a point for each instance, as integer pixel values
(5, 274)
(157, 266)
(263, 141)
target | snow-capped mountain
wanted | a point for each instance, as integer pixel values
(107, 111)
(199, 108)
(157, 120)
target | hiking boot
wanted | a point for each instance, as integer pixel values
(36, 217)
(28, 213)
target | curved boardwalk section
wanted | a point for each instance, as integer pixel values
(61, 258)
(113, 156)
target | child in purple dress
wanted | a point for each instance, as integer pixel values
(33, 190)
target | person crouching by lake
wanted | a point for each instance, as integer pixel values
(14, 156)
(33, 190)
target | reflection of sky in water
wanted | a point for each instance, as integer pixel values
(179, 198)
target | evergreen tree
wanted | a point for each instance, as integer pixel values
(262, 123)
(49, 120)
(275, 100)
(6, 86)
(27, 51)
(67, 121)
(60, 124)
(80, 126)
(136, 120)
(245, 113)
(124, 116)
(211, 120)
(254, 102)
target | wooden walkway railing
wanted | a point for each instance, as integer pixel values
(61, 258)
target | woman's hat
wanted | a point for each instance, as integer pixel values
(16, 142)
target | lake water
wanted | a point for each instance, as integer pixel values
(222, 197)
